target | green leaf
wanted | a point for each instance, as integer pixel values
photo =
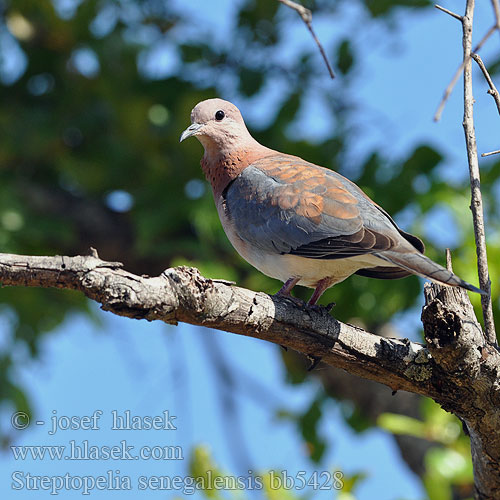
(437, 488)
(352, 481)
(191, 53)
(402, 424)
(449, 464)
(250, 81)
(383, 7)
(308, 425)
(274, 486)
(345, 56)
(203, 468)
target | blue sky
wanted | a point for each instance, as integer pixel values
(147, 368)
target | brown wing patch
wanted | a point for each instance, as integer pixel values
(338, 209)
(283, 174)
(338, 193)
(286, 199)
(311, 206)
(308, 189)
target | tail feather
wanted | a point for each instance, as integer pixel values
(419, 264)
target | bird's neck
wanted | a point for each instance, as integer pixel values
(221, 167)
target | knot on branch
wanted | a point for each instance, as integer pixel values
(452, 333)
(189, 284)
(441, 325)
(199, 295)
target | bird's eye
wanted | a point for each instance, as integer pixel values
(219, 115)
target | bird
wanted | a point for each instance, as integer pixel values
(298, 222)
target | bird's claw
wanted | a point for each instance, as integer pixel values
(320, 308)
(294, 300)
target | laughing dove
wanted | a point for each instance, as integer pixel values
(298, 222)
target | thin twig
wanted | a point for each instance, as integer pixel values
(456, 76)
(476, 198)
(447, 93)
(491, 153)
(452, 14)
(493, 90)
(496, 10)
(448, 260)
(306, 16)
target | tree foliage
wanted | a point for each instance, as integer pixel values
(94, 96)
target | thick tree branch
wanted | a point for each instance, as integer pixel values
(458, 368)
(463, 350)
(182, 294)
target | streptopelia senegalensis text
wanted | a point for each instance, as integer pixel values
(298, 222)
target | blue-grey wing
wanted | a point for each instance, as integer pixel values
(282, 204)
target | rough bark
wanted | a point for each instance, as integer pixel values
(458, 368)
(468, 373)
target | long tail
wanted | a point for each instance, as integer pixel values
(418, 263)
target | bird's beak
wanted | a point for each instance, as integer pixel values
(191, 130)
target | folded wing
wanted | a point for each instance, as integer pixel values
(283, 204)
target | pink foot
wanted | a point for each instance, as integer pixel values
(287, 287)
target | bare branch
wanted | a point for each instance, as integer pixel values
(449, 12)
(491, 153)
(472, 156)
(456, 76)
(476, 197)
(306, 16)
(449, 265)
(493, 90)
(447, 93)
(496, 9)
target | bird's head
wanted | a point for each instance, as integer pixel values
(218, 125)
